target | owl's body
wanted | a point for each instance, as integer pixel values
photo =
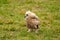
(32, 21)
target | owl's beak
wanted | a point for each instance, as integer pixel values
(24, 16)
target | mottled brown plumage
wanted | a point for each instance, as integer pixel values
(32, 21)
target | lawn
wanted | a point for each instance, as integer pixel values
(12, 23)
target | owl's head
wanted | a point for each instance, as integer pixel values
(29, 13)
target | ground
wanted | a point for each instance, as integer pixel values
(12, 23)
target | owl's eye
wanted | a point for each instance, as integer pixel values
(26, 15)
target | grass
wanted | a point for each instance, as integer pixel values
(12, 24)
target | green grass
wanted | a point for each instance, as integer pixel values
(12, 24)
